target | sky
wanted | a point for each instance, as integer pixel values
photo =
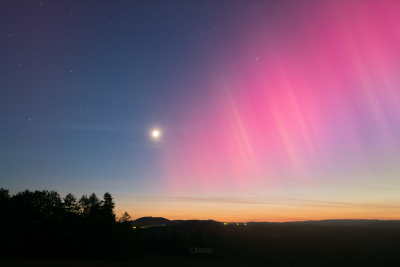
(267, 110)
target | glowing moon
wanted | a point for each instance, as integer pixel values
(156, 133)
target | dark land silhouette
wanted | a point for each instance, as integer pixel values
(40, 225)
(159, 221)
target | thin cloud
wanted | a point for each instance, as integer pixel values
(379, 188)
(331, 202)
(273, 201)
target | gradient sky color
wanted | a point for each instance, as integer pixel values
(268, 110)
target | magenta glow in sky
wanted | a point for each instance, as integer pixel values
(312, 94)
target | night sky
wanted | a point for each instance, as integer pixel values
(267, 110)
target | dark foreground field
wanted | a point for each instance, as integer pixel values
(256, 245)
(145, 261)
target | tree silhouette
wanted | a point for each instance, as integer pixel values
(71, 203)
(107, 208)
(39, 224)
(125, 218)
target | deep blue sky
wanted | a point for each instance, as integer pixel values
(83, 83)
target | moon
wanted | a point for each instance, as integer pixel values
(156, 133)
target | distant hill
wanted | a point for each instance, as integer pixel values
(200, 222)
(150, 221)
(347, 222)
(342, 222)
(159, 221)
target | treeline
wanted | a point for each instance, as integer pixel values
(41, 225)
